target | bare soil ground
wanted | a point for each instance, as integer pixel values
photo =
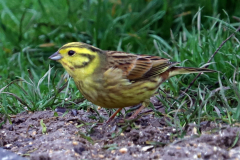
(76, 136)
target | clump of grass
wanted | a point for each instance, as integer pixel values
(214, 99)
(38, 93)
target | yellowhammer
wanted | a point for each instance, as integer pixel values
(114, 79)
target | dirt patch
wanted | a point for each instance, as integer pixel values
(76, 135)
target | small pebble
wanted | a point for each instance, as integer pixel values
(61, 110)
(134, 155)
(144, 149)
(8, 145)
(77, 155)
(34, 133)
(75, 143)
(199, 155)
(101, 156)
(74, 112)
(156, 156)
(178, 147)
(10, 128)
(194, 131)
(68, 152)
(215, 148)
(123, 150)
(14, 149)
(50, 151)
(23, 135)
(195, 156)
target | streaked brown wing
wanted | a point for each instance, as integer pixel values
(136, 67)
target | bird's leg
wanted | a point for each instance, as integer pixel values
(134, 115)
(144, 104)
(113, 115)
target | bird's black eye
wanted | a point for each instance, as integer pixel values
(71, 52)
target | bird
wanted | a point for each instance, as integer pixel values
(116, 79)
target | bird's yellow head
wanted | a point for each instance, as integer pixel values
(79, 59)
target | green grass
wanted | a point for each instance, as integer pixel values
(188, 32)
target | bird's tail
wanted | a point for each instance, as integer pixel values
(173, 71)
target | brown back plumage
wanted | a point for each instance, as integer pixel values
(137, 67)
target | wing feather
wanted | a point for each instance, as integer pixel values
(136, 67)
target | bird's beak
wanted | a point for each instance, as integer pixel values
(56, 56)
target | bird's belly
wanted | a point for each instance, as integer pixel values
(117, 96)
(121, 100)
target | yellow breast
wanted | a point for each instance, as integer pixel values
(119, 94)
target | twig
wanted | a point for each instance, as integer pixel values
(237, 18)
(210, 60)
(151, 110)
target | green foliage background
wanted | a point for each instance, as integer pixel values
(185, 31)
